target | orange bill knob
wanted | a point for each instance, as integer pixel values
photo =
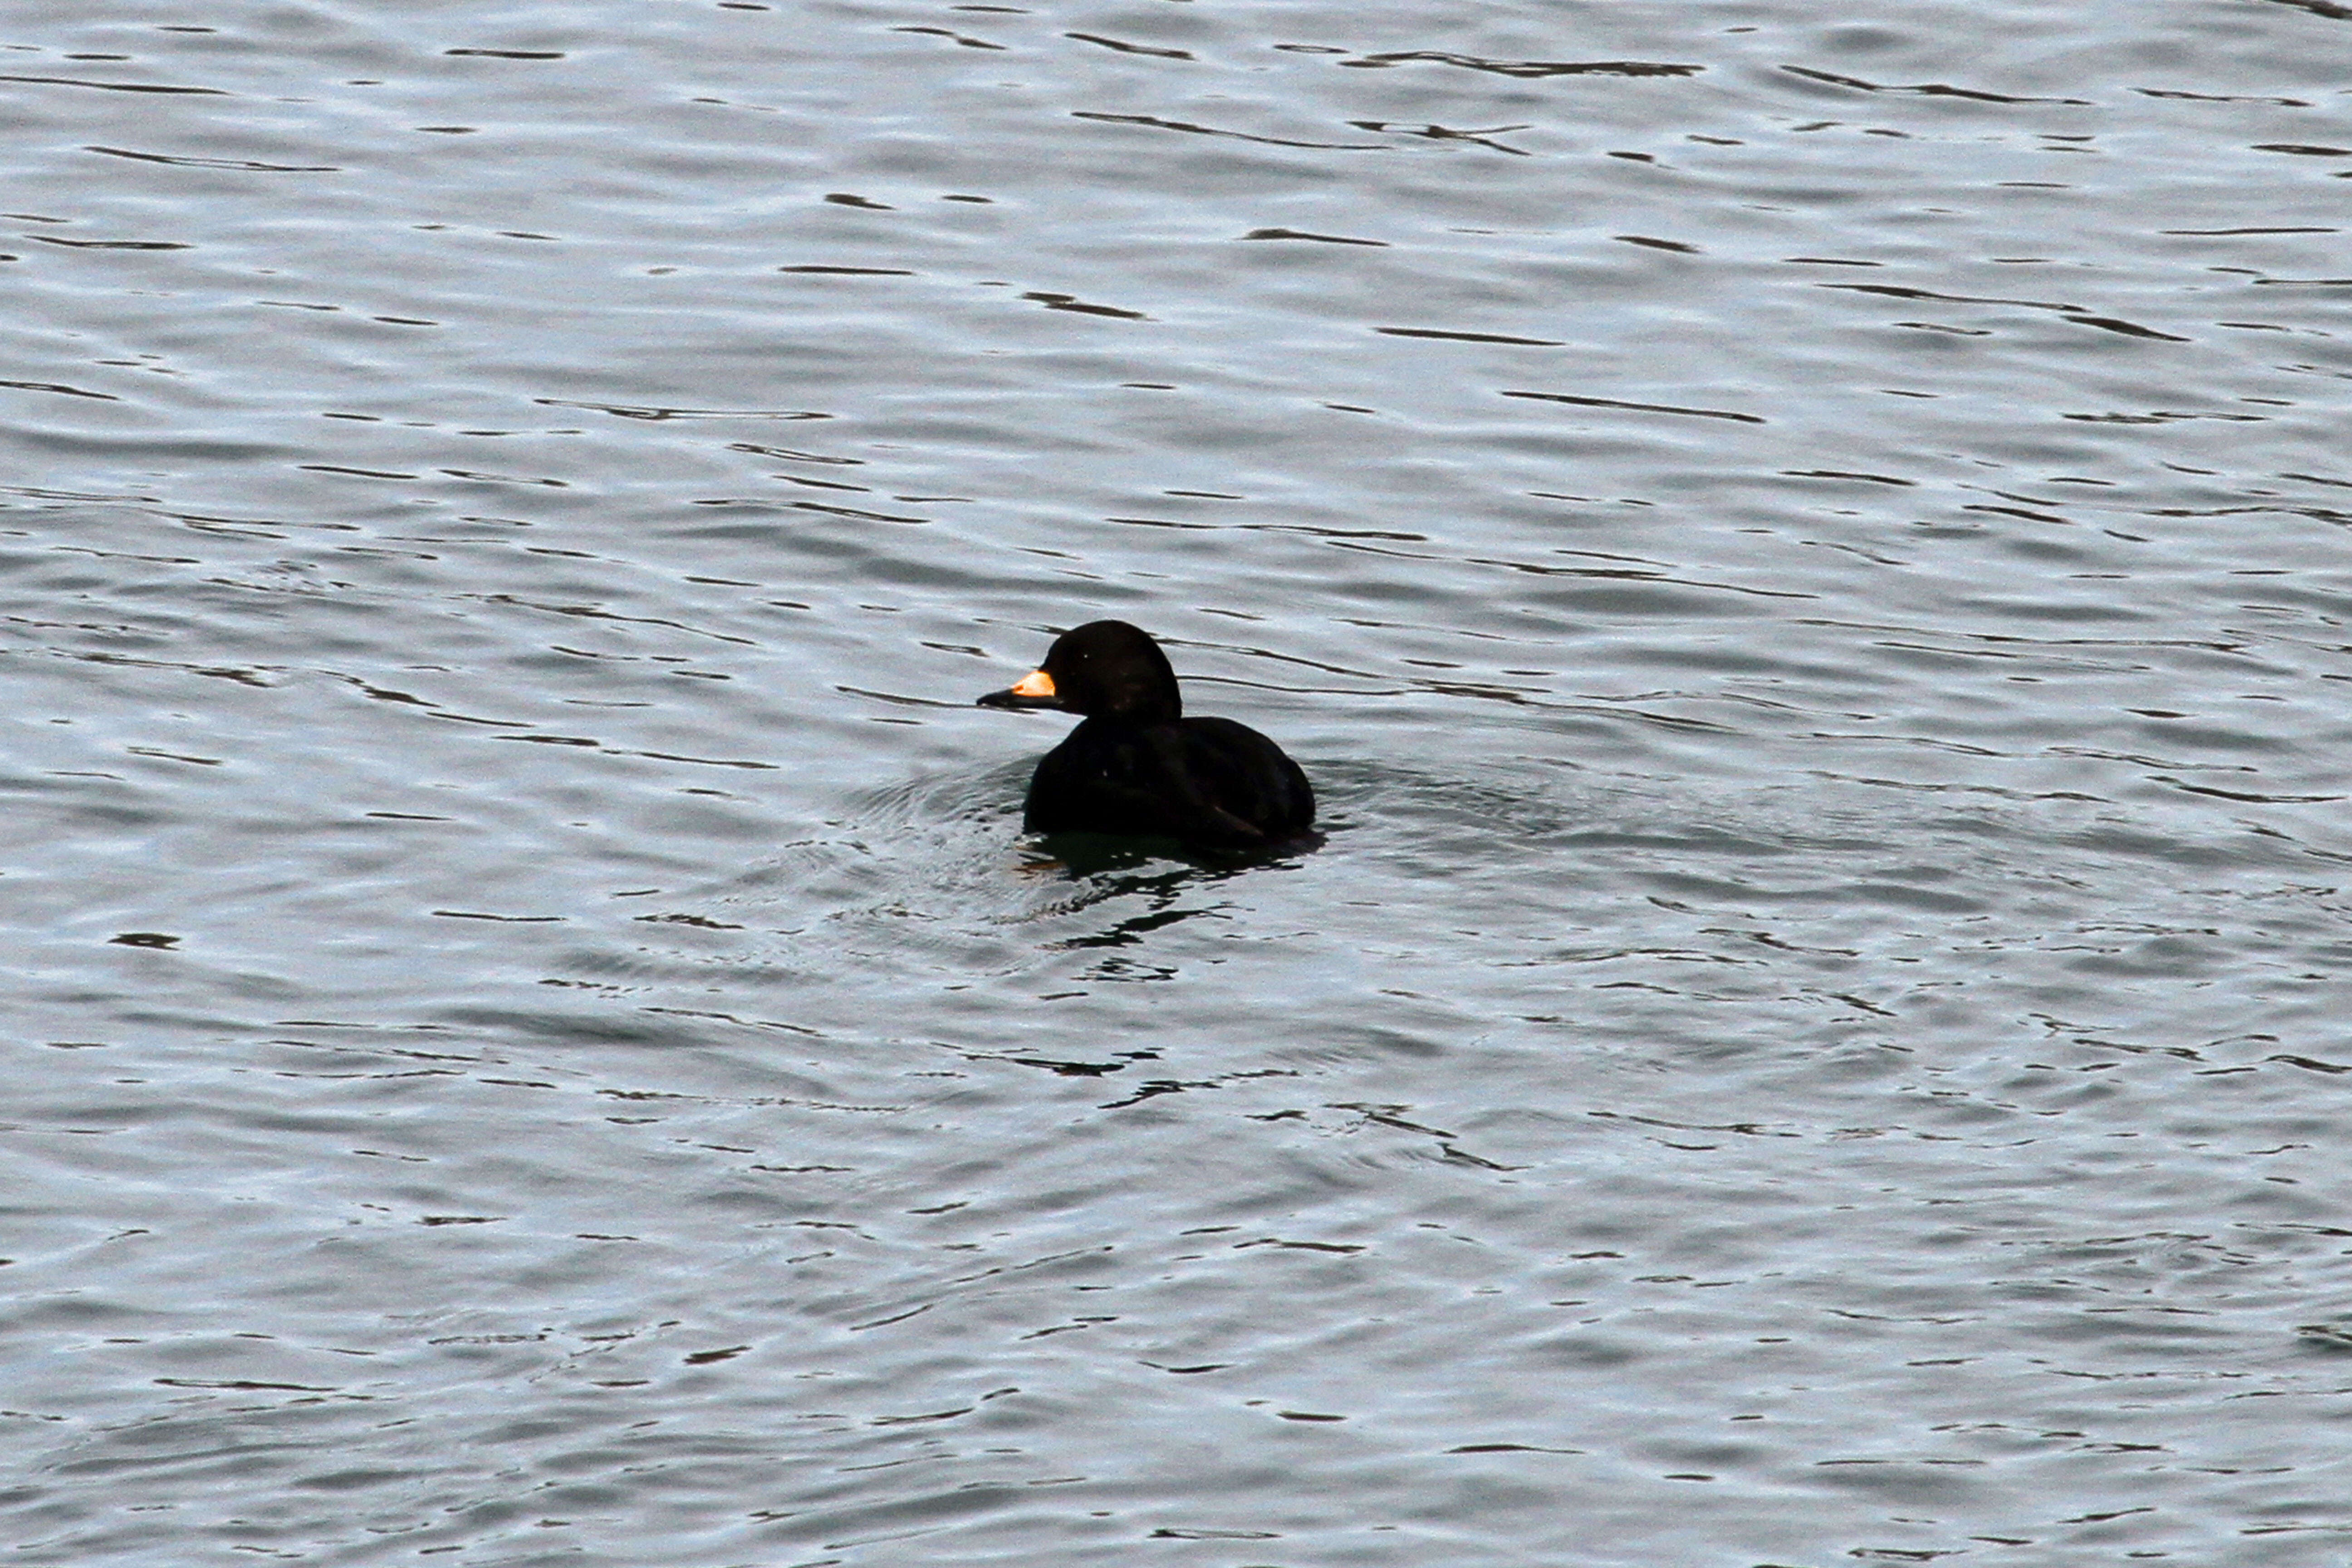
(1034, 689)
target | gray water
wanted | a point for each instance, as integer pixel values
(1804, 553)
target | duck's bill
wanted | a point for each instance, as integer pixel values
(1034, 689)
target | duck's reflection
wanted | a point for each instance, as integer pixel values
(1105, 869)
(1117, 872)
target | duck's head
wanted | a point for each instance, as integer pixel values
(1104, 668)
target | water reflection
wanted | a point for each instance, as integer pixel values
(1831, 919)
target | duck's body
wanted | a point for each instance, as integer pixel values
(1204, 781)
(1137, 765)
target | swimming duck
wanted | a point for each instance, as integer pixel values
(1137, 765)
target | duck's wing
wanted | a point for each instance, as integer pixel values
(1248, 779)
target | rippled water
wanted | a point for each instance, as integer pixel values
(1805, 556)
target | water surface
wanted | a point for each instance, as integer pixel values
(1803, 554)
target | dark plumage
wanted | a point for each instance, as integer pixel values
(1137, 765)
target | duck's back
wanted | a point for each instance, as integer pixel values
(1204, 781)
